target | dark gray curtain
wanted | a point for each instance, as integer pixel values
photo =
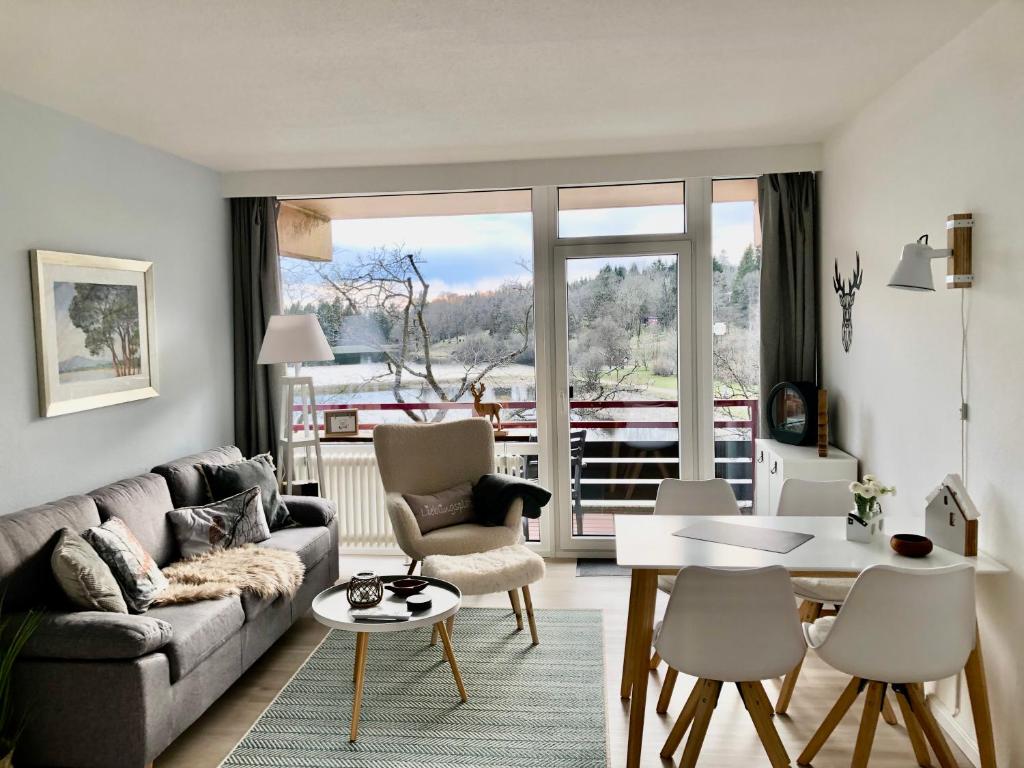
(788, 204)
(256, 296)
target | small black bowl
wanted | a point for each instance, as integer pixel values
(406, 586)
(418, 603)
(911, 545)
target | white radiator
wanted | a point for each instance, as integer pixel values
(351, 481)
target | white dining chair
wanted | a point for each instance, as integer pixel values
(735, 626)
(899, 628)
(810, 498)
(691, 497)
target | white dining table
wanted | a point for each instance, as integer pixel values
(646, 544)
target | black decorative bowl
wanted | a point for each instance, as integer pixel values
(911, 545)
(405, 587)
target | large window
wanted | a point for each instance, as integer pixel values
(422, 297)
(624, 209)
(736, 305)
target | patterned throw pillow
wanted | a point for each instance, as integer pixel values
(84, 577)
(224, 524)
(228, 479)
(134, 569)
(441, 509)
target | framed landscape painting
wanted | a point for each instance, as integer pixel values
(95, 331)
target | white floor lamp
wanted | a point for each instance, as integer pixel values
(296, 339)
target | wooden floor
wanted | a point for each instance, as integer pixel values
(731, 740)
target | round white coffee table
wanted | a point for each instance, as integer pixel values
(331, 608)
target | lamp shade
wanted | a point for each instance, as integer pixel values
(294, 339)
(914, 271)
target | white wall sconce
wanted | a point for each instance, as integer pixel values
(914, 271)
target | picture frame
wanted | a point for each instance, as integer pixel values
(341, 422)
(95, 328)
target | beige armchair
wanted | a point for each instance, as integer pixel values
(426, 458)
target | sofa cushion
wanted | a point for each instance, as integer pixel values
(185, 480)
(198, 630)
(310, 544)
(310, 510)
(133, 567)
(143, 503)
(231, 522)
(96, 635)
(228, 479)
(253, 605)
(86, 580)
(26, 543)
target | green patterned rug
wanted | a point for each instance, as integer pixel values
(529, 706)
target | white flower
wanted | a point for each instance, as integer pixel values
(869, 478)
(868, 492)
(856, 487)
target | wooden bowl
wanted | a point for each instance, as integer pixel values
(406, 586)
(910, 545)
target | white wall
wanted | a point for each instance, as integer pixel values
(65, 185)
(946, 138)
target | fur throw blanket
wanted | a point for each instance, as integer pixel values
(264, 572)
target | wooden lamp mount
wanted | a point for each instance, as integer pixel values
(959, 269)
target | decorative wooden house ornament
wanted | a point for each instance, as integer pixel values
(951, 519)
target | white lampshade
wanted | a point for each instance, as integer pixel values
(914, 271)
(294, 339)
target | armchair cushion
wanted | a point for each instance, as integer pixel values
(96, 635)
(443, 508)
(310, 511)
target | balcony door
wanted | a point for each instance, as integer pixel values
(625, 362)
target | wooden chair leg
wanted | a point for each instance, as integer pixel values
(530, 618)
(840, 708)
(655, 660)
(868, 724)
(931, 729)
(760, 710)
(442, 630)
(913, 728)
(809, 612)
(675, 736)
(513, 597)
(666, 691)
(888, 713)
(362, 639)
(699, 728)
(412, 567)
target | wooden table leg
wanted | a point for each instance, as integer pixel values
(442, 630)
(627, 657)
(641, 626)
(977, 689)
(362, 641)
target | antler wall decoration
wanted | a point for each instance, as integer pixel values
(846, 292)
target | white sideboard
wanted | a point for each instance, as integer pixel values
(777, 462)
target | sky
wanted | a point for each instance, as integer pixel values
(468, 253)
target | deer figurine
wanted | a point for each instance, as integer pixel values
(846, 294)
(489, 411)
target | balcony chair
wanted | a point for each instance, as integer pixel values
(577, 447)
(734, 626)
(807, 498)
(426, 458)
(899, 628)
(689, 497)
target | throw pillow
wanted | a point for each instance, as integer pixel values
(86, 580)
(133, 567)
(441, 509)
(231, 522)
(226, 480)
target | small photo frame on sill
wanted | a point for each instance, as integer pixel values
(343, 422)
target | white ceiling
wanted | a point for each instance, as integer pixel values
(252, 84)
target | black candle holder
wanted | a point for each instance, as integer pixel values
(365, 590)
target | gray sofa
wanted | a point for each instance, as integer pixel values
(106, 689)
